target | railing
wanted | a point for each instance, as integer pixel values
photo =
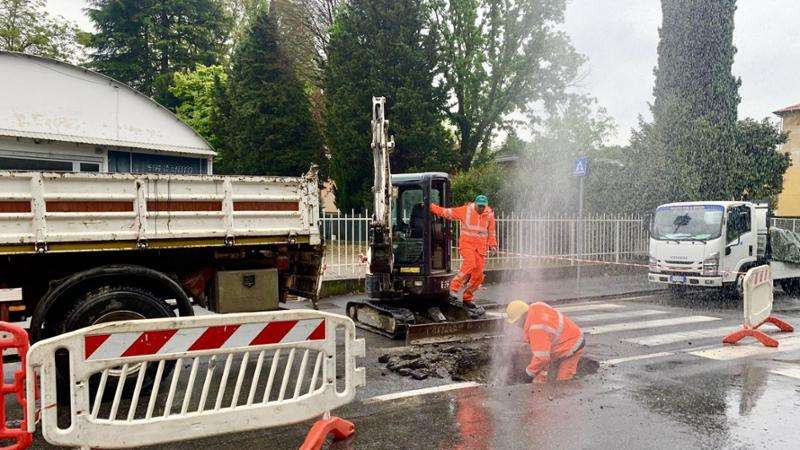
(524, 240)
(787, 223)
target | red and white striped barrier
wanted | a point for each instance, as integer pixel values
(162, 342)
(149, 382)
(757, 296)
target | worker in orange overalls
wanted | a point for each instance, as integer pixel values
(477, 237)
(556, 342)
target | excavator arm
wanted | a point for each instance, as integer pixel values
(380, 254)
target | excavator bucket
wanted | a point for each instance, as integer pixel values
(431, 333)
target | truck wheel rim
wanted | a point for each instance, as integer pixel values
(115, 316)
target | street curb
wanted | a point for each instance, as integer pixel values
(568, 300)
(609, 296)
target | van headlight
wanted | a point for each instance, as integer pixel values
(654, 265)
(711, 265)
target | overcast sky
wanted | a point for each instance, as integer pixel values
(619, 38)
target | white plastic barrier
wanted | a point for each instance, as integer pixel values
(191, 377)
(757, 292)
(757, 305)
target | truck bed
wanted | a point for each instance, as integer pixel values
(64, 212)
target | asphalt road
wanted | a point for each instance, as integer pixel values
(665, 381)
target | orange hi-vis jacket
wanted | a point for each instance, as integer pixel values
(477, 230)
(551, 335)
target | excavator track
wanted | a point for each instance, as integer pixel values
(381, 318)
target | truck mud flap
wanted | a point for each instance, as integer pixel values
(431, 333)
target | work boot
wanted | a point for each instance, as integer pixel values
(475, 311)
(453, 299)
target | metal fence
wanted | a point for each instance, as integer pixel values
(524, 240)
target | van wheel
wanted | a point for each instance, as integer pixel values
(111, 304)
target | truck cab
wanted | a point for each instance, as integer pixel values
(707, 244)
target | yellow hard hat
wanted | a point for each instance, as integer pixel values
(516, 310)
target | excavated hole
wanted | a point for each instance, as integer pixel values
(469, 362)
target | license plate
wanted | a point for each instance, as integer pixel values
(677, 278)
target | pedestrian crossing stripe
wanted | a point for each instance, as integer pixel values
(639, 325)
(729, 352)
(615, 316)
(588, 307)
(786, 370)
(680, 336)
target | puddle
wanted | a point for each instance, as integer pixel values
(483, 362)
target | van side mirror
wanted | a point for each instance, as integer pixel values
(727, 251)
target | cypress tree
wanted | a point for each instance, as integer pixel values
(696, 99)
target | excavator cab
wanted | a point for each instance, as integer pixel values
(421, 241)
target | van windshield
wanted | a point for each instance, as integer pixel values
(688, 222)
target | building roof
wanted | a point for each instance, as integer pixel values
(47, 99)
(787, 109)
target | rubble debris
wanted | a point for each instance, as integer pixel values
(469, 362)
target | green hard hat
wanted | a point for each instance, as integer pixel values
(482, 200)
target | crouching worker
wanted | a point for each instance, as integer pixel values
(556, 342)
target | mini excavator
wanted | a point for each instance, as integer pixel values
(409, 269)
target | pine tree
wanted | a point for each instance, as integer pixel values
(382, 48)
(264, 121)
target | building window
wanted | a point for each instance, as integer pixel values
(90, 167)
(35, 164)
(149, 163)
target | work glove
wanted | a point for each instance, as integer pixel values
(493, 250)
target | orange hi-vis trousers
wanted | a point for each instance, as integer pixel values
(471, 273)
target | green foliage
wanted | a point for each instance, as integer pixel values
(144, 42)
(763, 166)
(26, 27)
(543, 180)
(196, 94)
(264, 121)
(489, 179)
(498, 57)
(381, 48)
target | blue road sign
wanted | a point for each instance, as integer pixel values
(581, 168)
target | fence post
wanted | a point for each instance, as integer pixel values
(616, 240)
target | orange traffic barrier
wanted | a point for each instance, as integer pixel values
(12, 336)
(762, 337)
(340, 428)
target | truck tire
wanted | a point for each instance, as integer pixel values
(109, 304)
(791, 286)
(735, 290)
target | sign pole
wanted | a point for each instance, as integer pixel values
(580, 230)
(580, 170)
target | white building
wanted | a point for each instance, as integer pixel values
(59, 117)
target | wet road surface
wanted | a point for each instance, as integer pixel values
(665, 381)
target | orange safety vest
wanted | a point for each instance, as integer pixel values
(551, 335)
(477, 230)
